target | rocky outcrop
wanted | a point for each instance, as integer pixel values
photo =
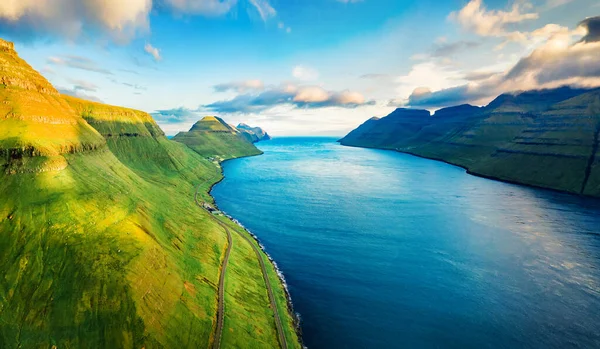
(253, 134)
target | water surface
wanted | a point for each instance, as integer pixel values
(386, 250)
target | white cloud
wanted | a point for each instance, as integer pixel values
(305, 97)
(264, 8)
(283, 27)
(78, 62)
(556, 3)
(122, 20)
(241, 86)
(311, 94)
(83, 85)
(202, 7)
(562, 59)
(305, 73)
(79, 93)
(429, 74)
(476, 18)
(153, 51)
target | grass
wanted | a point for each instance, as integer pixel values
(289, 327)
(111, 252)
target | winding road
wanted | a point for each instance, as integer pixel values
(221, 306)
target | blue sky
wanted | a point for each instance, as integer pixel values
(302, 67)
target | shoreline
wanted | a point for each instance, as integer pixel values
(475, 174)
(296, 317)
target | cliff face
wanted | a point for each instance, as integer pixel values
(213, 137)
(253, 134)
(545, 138)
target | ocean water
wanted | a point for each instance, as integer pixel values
(386, 250)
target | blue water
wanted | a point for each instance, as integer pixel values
(386, 250)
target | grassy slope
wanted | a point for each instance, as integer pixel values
(279, 292)
(110, 251)
(212, 136)
(540, 138)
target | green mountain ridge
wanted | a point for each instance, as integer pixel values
(546, 138)
(102, 244)
(213, 137)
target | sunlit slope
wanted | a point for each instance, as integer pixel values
(35, 120)
(545, 138)
(212, 136)
(110, 251)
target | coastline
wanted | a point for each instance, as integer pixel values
(296, 317)
(475, 174)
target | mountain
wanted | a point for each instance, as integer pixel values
(253, 134)
(213, 137)
(37, 126)
(545, 138)
(101, 242)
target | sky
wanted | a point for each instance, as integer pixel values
(303, 67)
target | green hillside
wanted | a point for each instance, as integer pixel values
(546, 138)
(101, 242)
(213, 137)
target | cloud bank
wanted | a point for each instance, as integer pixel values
(563, 59)
(240, 86)
(309, 97)
(120, 20)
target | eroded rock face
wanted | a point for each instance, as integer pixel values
(253, 134)
(15, 72)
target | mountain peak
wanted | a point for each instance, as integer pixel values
(7, 46)
(212, 124)
(409, 112)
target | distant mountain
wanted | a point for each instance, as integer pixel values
(253, 134)
(213, 137)
(545, 138)
(101, 242)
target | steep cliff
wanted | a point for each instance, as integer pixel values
(253, 134)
